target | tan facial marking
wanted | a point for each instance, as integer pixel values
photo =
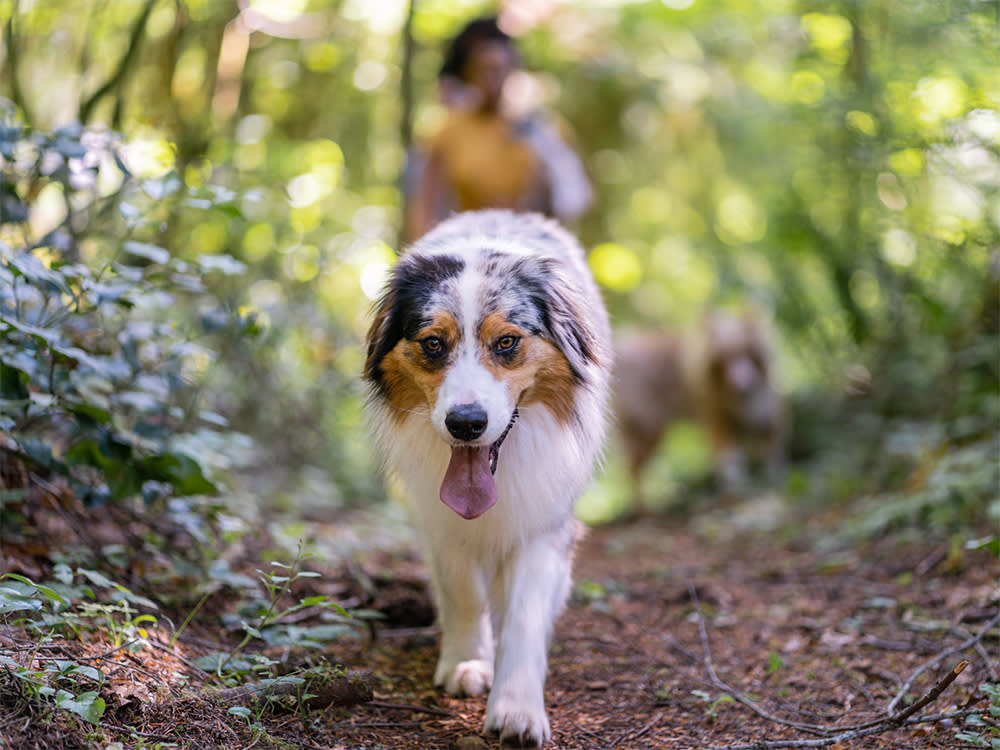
(537, 372)
(411, 381)
(552, 383)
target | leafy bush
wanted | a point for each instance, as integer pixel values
(99, 365)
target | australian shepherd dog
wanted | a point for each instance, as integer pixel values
(488, 364)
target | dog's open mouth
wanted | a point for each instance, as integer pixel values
(468, 487)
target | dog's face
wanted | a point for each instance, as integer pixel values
(739, 358)
(464, 339)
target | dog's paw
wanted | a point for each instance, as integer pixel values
(467, 678)
(518, 725)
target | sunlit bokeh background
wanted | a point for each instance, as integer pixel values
(837, 164)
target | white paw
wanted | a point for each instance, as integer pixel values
(467, 678)
(519, 724)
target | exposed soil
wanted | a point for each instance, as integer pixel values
(815, 636)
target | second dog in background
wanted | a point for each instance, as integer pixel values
(721, 375)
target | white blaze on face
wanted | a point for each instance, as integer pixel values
(468, 486)
(468, 380)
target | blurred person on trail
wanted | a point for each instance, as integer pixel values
(485, 155)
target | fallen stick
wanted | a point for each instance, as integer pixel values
(931, 695)
(832, 734)
(970, 642)
(321, 688)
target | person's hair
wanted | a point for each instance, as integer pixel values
(476, 32)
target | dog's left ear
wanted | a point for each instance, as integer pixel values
(564, 316)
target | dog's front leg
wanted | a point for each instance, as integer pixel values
(465, 666)
(527, 596)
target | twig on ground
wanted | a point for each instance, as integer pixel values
(135, 732)
(990, 662)
(837, 734)
(735, 694)
(641, 732)
(348, 689)
(106, 654)
(931, 695)
(844, 736)
(183, 659)
(968, 643)
(409, 707)
(376, 725)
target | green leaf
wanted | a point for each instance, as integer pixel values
(12, 600)
(180, 470)
(225, 264)
(153, 253)
(51, 593)
(66, 667)
(97, 578)
(30, 267)
(88, 706)
(41, 454)
(47, 335)
(89, 411)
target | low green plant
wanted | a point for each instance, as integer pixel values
(67, 606)
(252, 719)
(713, 703)
(265, 618)
(72, 605)
(60, 684)
(983, 729)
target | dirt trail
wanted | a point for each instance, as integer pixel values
(813, 637)
(676, 636)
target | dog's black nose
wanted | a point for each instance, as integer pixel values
(466, 421)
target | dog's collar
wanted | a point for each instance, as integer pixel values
(495, 448)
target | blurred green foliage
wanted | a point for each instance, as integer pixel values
(837, 162)
(98, 381)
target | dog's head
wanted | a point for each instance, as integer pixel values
(737, 360)
(467, 330)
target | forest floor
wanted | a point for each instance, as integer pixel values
(681, 633)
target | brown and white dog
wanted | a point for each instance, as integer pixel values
(721, 375)
(489, 366)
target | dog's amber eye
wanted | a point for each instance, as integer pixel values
(505, 344)
(433, 345)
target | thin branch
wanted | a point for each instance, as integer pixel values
(838, 734)
(406, 78)
(641, 732)
(10, 43)
(850, 734)
(735, 694)
(106, 654)
(116, 77)
(931, 695)
(409, 707)
(968, 643)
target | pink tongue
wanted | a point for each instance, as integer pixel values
(468, 487)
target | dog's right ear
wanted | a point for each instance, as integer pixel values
(386, 329)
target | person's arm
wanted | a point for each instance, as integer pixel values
(569, 190)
